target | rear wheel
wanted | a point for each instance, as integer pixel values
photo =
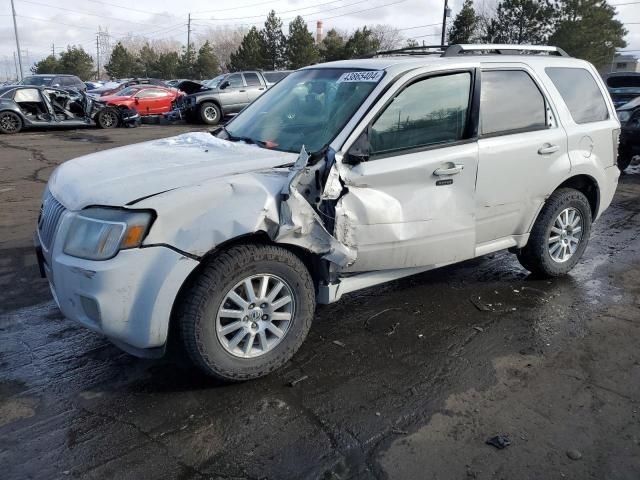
(210, 113)
(10, 122)
(247, 312)
(107, 118)
(560, 235)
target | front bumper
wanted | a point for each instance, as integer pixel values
(128, 298)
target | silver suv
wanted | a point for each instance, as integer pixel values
(342, 176)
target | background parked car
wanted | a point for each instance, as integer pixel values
(114, 87)
(221, 96)
(275, 76)
(623, 87)
(57, 81)
(24, 106)
(146, 99)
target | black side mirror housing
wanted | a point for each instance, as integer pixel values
(359, 151)
(224, 84)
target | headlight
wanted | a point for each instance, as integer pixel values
(624, 115)
(100, 233)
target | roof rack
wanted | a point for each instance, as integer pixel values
(476, 49)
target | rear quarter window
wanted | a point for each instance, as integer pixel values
(580, 93)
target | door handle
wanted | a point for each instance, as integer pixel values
(449, 169)
(547, 149)
(261, 88)
(243, 90)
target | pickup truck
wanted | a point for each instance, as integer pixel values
(217, 98)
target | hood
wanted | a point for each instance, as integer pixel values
(189, 87)
(112, 98)
(122, 175)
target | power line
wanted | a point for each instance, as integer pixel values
(287, 11)
(237, 8)
(131, 9)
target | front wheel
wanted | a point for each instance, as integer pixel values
(560, 235)
(10, 122)
(210, 113)
(107, 118)
(247, 312)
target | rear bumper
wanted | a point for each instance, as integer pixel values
(608, 188)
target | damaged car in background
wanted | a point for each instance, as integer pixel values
(342, 176)
(46, 107)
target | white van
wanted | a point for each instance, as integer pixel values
(341, 176)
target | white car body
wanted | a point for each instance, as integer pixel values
(391, 220)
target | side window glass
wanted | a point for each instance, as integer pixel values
(429, 112)
(235, 80)
(27, 95)
(580, 92)
(510, 101)
(252, 79)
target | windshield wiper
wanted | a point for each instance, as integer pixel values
(233, 138)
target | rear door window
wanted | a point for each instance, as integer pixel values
(510, 102)
(252, 79)
(580, 92)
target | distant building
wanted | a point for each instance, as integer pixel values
(623, 63)
(319, 32)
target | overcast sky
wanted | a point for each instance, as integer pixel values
(42, 23)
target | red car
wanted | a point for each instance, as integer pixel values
(146, 99)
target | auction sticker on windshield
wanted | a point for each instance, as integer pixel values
(370, 76)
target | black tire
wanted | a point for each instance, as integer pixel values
(210, 113)
(10, 122)
(535, 256)
(108, 118)
(624, 159)
(199, 303)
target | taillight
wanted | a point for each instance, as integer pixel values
(616, 143)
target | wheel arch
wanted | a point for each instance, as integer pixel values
(588, 186)
(215, 101)
(315, 264)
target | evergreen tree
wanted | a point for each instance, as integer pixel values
(186, 62)
(361, 43)
(75, 61)
(250, 53)
(520, 22)
(167, 65)
(147, 60)
(464, 26)
(332, 47)
(207, 65)
(122, 63)
(49, 64)
(274, 42)
(587, 29)
(301, 48)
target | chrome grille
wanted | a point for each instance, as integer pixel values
(50, 213)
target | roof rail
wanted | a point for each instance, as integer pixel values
(502, 49)
(417, 50)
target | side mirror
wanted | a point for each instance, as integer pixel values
(359, 151)
(135, 99)
(56, 85)
(224, 85)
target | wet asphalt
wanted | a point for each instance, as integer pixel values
(404, 380)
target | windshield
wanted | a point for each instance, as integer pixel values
(309, 107)
(35, 80)
(127, 92)
(213, 83)
(624, 81)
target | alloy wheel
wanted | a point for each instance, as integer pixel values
(8, 122)
(210, 114)
(565, 235)
(255, 315)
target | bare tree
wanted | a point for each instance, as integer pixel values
(224, 41)
(388, 37)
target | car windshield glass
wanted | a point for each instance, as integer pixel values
(127, 92)
(309, 107)
(36, 80)
(213, 83)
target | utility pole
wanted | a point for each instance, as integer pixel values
(445, 14)
(15, 61)
(189, 42)
(15, 29)
(98, 56)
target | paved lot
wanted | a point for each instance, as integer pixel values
(426, 369)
